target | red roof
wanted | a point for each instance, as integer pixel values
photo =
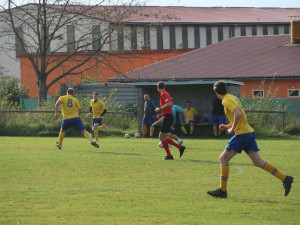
(235, 58)
(180, 14)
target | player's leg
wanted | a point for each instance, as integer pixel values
(215, 128)
(95, 130)
(144, 127)
(66, 124)
(60, 138)
(163, 138)
(224, 158)
(259, 162)
(192, 123)
(78, 125)
(150, 122)
(183, 130)
(174, 136)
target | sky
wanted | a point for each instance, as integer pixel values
(197, 3)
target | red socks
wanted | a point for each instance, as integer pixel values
(166, 147)
(171, 142)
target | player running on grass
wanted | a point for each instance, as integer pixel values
(176, 124)
(98, 109)
(244, 139)
(166, 108)
(71, 111)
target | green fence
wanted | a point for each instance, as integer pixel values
(32, 104)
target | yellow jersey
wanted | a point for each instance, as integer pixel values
(69, 106)
(230, 103)
(191, 113)
(97, 107)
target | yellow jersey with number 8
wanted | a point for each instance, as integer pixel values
(69, 106)
(230, 103)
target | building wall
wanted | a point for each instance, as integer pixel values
(100, 73)
(278, 88)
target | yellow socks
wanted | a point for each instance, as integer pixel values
(144, 130)
(272, 170)
(215, 128)
(87, 135)
(192, 129)
(183, 129)
(224, 177)
(151, 131)
(61, 137)
(96, 133)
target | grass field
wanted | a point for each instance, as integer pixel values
(126, 181)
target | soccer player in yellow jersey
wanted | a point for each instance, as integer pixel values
(244, 139)
(98, 109)
(191, 115)
(71, 111)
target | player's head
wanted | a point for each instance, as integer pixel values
(161, 86)
(146, 97)
(70, 91)
(188, 104)
(95, 95)
(220, 88)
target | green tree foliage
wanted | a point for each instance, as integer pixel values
(11, 92)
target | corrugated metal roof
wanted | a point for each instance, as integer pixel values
(180, 14)
(235, 58)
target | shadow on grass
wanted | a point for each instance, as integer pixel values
(217, 163)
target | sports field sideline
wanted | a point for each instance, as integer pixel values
(126, 181)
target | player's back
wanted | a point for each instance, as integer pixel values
(230, 103)
(70, 106)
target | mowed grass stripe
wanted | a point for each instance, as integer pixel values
(126, 181)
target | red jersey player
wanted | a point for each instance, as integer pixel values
(166, 107)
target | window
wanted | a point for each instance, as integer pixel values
(208, 35)
(293, 93)
(220, 33)
(265, 29)
(197, 36)
(254, 30)
(159, 37)
(185, 39)
(172, 37)
(96, 37)
(120, 38)
(258, 93)
(133, 37)
(19, 40)
(147, 36)
(70, 38)
(243, 30)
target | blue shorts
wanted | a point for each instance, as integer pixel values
(241, 142)
(73, 122)
(217, 119)
(148, 121)
(96, 120)
(191, 121)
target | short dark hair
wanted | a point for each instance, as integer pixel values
(95, 93)
(188, 102)
(220, 87)
(70, 91)
(161, 85)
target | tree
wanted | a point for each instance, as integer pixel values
(45, 34)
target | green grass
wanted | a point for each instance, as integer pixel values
(127, 182)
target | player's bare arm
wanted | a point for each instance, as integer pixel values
(167, 105)
(57, 104)
(157, 122)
